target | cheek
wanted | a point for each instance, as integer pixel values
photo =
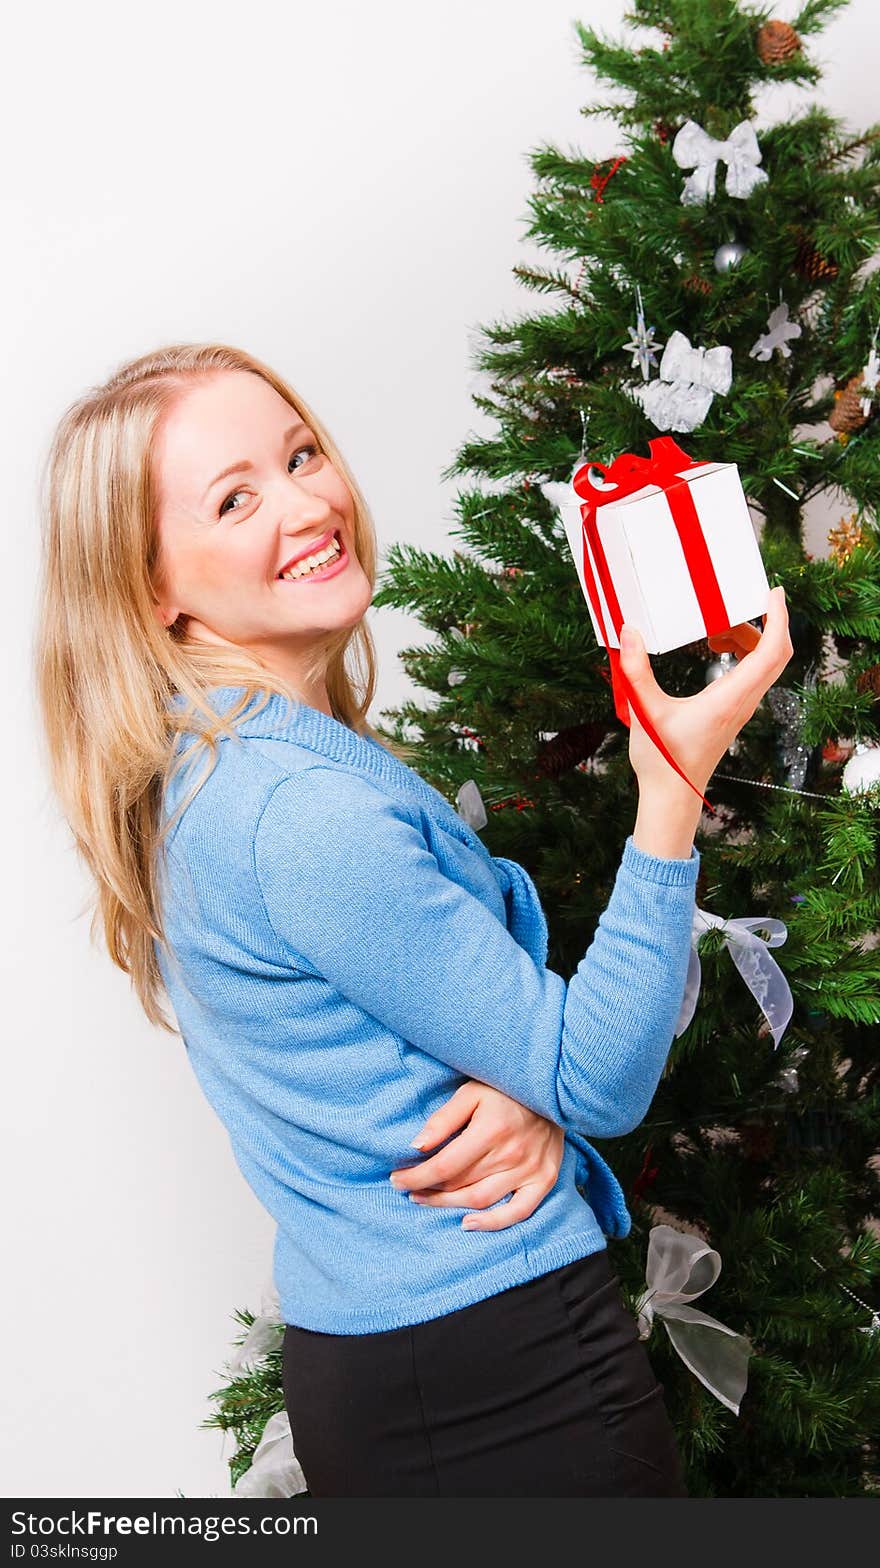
(337, 493)
(241, 559)
(249, 555)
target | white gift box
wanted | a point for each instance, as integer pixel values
(646, 558)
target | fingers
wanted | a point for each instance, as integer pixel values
(757, 670)
(523, 1201)
(738, 639)
(450, 1117)
(449, 1164)
(470, 1195)
(636, 667)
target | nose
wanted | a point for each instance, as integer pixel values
(304, 508)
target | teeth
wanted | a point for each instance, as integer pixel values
(313, 562)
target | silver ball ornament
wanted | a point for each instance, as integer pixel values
(729, 255)
(719, 667)
(715, 672)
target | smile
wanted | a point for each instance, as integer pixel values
(318, 567)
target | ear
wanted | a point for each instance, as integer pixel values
(165, 617)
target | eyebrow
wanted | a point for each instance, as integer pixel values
(244, 465)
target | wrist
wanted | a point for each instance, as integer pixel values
(666, 822)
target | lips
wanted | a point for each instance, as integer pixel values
(310, 549)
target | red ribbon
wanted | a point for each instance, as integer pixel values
(629, 473)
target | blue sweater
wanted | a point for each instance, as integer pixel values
(344, 953)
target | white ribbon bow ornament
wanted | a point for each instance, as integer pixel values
(681, 1267)
(749, 952)
(689, 379)
(711, 368)
(695, 149)
(274, 1470)
(264, 1334)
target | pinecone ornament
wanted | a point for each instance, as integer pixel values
(758, 1141)
(869, 680)
(775, 42)
(811, 264)
(846, 416)
(569, 747)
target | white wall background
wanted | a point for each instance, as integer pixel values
(342, 190)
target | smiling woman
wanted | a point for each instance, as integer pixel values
(159, 586)
(221, 557)
(172, 605)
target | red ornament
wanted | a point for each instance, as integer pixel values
(647, 1175)
(519, 803)
(599, 181)
(833, 752)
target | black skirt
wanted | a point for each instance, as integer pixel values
(543, 1390)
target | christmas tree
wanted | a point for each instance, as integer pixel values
(721, 236)
(763, 247)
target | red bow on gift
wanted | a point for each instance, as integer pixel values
(627, 474)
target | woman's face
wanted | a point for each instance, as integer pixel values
(226, 536)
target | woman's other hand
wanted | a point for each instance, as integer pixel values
(504, 1148)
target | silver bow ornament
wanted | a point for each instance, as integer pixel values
(749, 952)
(711, 368)
(689, 379)
(263, 1335)
(274, 1470)
(681, 1267)
(695, 149)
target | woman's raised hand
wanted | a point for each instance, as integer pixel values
(698, 730)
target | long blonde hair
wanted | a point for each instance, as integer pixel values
(105, 668)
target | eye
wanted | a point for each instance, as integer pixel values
(310, 448)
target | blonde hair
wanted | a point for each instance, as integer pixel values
(106, 669)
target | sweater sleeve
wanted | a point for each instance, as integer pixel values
(350, 884)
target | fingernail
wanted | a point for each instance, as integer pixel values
(394, 1180)
(628, 640)
(469, 1224)
(419, 1143)
(414, 1198)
